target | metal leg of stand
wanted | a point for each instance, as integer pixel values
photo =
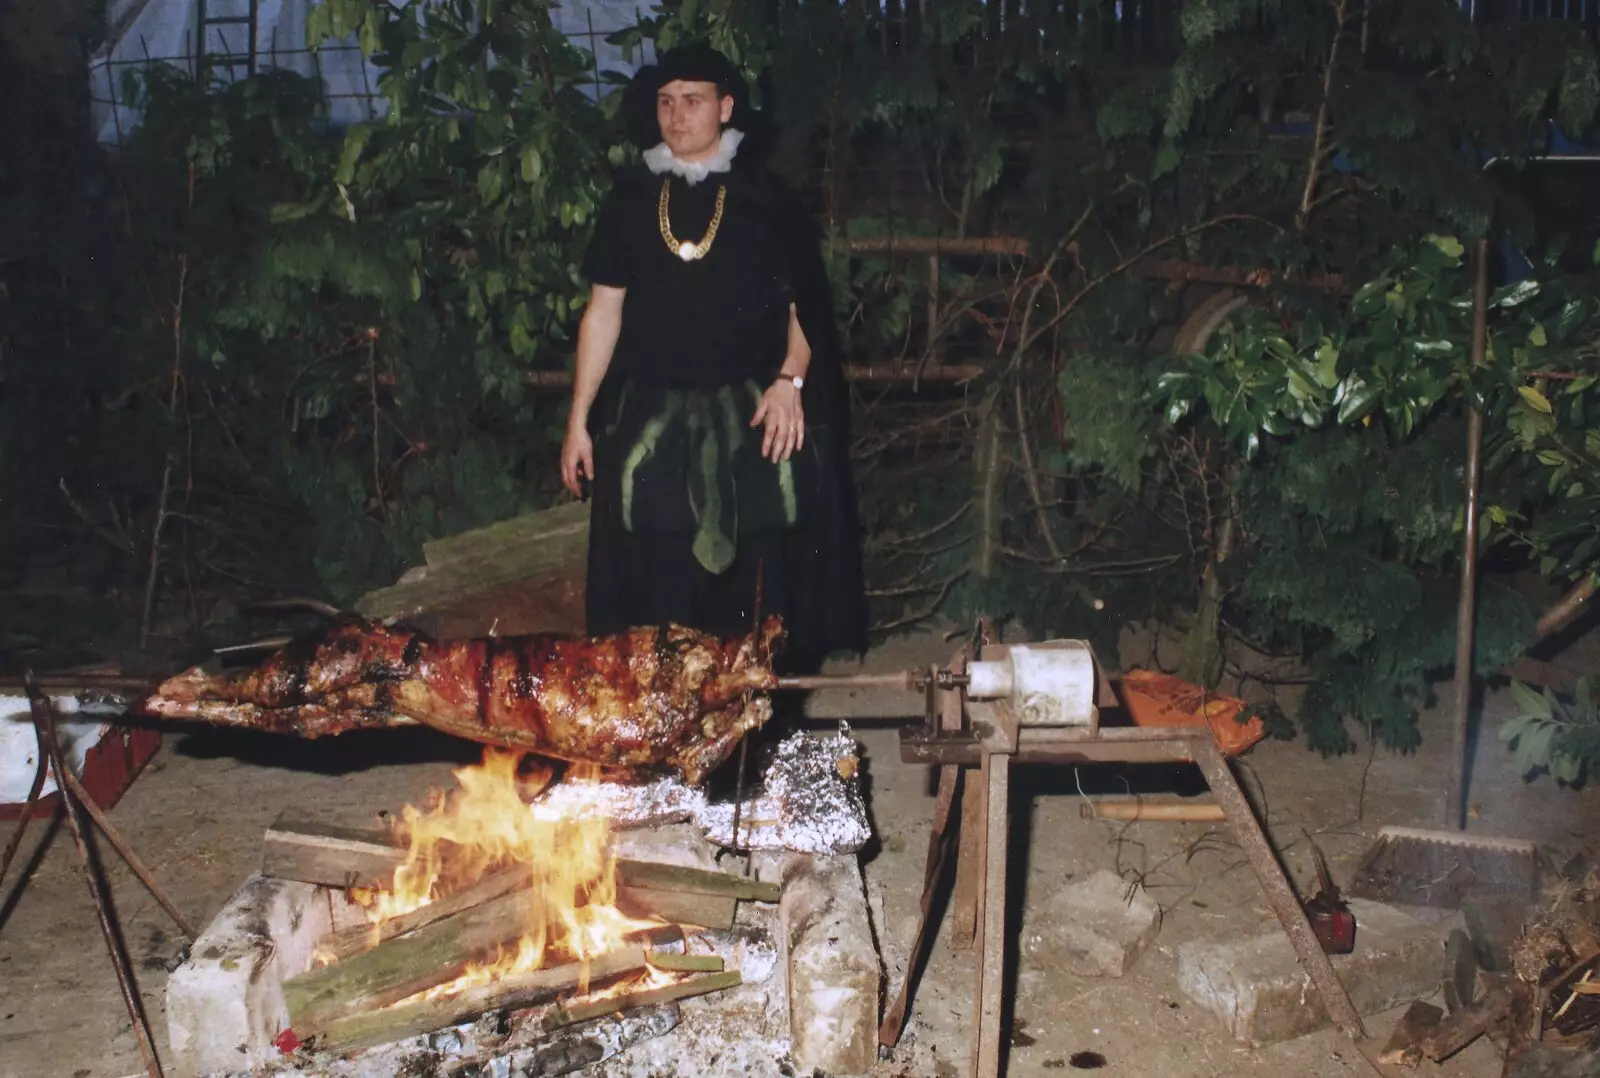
(44, 728)
(995, 789)
(1280, 895)
(939, 844)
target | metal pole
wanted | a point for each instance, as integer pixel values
(57, 684)
(22, 820)
(1280, 894)
(906, 680)
(45, 729)
(125, 851)
(1467, 603)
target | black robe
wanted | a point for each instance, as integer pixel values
(689, 331)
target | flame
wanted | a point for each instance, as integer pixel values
(645, 980)
(486, 826)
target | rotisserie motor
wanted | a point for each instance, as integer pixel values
(664, 697)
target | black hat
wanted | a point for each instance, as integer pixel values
(696, 62)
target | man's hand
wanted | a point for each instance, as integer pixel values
(785, 419)
(577, 457)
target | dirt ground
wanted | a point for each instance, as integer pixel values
(198, 812)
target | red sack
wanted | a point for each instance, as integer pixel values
(1156, 699)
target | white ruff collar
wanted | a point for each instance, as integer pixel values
(660, 158)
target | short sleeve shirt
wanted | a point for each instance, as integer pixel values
(715, 320)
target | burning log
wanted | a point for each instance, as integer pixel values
(370, 1027)
(571, 1013)
(670, 907)
(363, 1026)
(406, 965)
(344, 857)
(345, 942)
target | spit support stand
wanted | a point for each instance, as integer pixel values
(974, 743)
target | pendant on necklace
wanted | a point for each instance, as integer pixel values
(686, 251)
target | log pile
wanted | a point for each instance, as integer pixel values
(374, 987)
(1533, 987)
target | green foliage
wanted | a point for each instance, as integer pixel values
(1096, 390)
(1402, 355)
(359, 311)
(1554, 735)
(345, 319)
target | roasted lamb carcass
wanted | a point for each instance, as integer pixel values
(663, 697)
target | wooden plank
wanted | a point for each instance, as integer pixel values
(547, 604)
(550, 544)
(937, 245)
(677, 907)
(989, 983)
(585, 1009)
(969, 859)
(686, 963)
(1465, 1026)
(916, 373)
(401, 967)
(313, 852)
(342, 943)
(519, 531)
(1404, 1047)
(366, 1028)
(664, 877)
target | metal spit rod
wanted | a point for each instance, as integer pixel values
(905, 680)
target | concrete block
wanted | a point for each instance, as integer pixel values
(1256, 986)
(1097, 927)
(1495, 924)
(835, 976)
(225, 1004)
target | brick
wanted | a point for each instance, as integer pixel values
(835, 976)
(1256, 986)
(225, 1004)
(1096, 927)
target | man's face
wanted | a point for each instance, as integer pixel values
(691, 115)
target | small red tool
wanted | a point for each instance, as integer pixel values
(1329, 914)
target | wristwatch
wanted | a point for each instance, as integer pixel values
(799, 382)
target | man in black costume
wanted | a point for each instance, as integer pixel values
(708, 406)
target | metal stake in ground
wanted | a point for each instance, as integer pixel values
(129, 858)
(45, 729)
(744, 742)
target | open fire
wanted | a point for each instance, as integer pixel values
(486, 826)
(537, 925)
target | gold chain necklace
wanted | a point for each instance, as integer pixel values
(685, 250)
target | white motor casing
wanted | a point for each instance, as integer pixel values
(1047, 684)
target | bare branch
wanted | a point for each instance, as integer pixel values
(927, 612)
(1130, 261)
(117, 538)
(1321, 150)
